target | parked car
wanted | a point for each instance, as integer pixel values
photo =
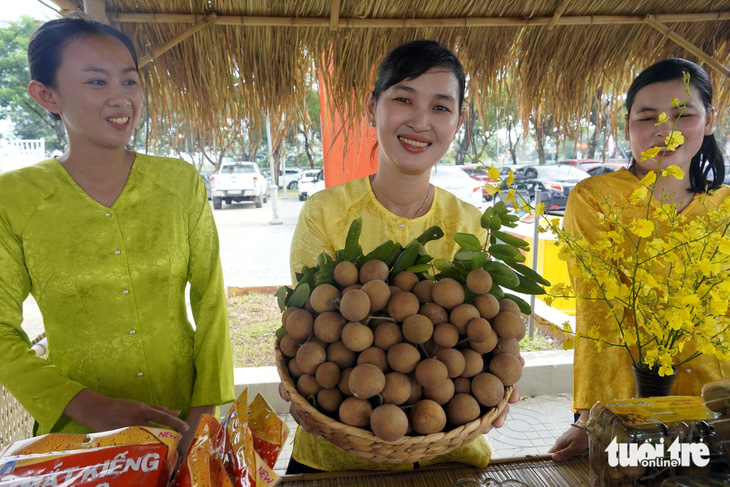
(480, 174)
(554, 180)
(457, 182)
(307, 176)
(605, 168)
(289, 178)
(584, 164)
(238, 181)
(315, 184)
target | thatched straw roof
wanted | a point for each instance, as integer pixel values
(242, 59)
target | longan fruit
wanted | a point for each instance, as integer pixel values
(402, 305)
(506, 367)
(299, 325)
(310, 355)
(479, 329)
(434, 312)
(323, 298)
(366, 380)
(375, 356)
(350, 288)
(511, 345)
(346, 274)
(327, 375)
(479, 281)
(355, 411)
(344, 384)
(509, 306)
(453, 360)
(441, 393)
(427, 417)
(394, 289)
(431, 372)
(389, 422)
(286, 314)
(508, 325)
(338, 353)
(473, 362)
(446, 335)
(461, 315)
(374, 269)
(485, 346)
(307, 385)
(378, 292)
(406, 280)
(356, 336)
(462, 409)
(487, 305)
(397, 388)
(328, 326)
(448, 293)
(487, 389)
(417, 328)
(403, 357)
(330, 399)
(416, 390)
(288, 346)
(462, 385)
(294, 370)
(386, 335)
(422, 290)
(355, 305)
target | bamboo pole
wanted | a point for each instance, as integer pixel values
(335, 14)
(154, 53)
(96, 9)
(253, 21)
(652, 21)
(64, 5)
(558, 12)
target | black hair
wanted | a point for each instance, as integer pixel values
(47, 43)
(709, 158)
(412, 59)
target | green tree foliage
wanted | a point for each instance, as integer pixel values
(30, 120)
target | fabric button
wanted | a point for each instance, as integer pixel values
(117, 251)
(125, 291)
(139, 374)
(401, 225)
(132, 332)
(107, 214)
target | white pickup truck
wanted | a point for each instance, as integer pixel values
(238, 181)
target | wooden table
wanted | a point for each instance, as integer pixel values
(538, 471)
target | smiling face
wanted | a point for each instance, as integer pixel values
(416, 120)
(643, 134)
(97, 92)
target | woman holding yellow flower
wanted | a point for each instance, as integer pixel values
(676, 158)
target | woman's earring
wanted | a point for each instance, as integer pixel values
(372, 123)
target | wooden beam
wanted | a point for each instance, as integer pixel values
(558, 12)
(64, 5)
(334, 14)
(155, 53)
(250, 21)
(652, 21)
(96, 9)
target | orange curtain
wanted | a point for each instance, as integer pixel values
(346, 145)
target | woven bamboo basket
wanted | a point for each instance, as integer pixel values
(365, 444)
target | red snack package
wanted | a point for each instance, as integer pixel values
(136, 456)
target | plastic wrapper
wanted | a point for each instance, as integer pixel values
(241, 451)
(134, 456)
(644, 441)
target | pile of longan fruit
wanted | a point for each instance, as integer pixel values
(405, 357)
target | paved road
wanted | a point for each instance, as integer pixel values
(253, 251)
